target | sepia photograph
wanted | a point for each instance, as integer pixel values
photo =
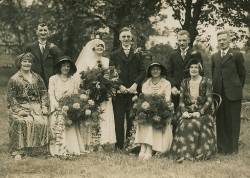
(124, 89)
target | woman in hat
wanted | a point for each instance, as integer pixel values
(66, 140)
(28, 108)
(149, 138)
(195, 137)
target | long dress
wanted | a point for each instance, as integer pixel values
(195, 137)
(159, 139)
(31, 96)
(65, 140)
(107, 124)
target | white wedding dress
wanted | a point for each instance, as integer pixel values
(87, 60)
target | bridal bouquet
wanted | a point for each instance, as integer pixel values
(152, 109)
(100, 83)
(78, 107)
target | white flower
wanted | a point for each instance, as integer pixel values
(76, 106)
(134, 98)
(87, 112)
(84, 97)
(145, 105)
(91, 102)
(157, 118)
(98, 85)
(65, 108)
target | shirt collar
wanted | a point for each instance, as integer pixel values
(224, 51)
(43, 43)
(126, 48)
(185, 50)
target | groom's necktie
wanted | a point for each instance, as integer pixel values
(126, 51)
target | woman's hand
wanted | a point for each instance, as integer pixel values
(186, 115)
(23, 113)
(196, 114)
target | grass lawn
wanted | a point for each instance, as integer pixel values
(119, 165)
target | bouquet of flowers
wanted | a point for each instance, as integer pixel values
(152, 109)
(78, 107)
(100, 83)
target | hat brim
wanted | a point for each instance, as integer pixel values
(163, 69)
(73, 68)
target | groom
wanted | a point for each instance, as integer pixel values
(131, 72)
(46, 53)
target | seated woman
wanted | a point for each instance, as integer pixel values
(28, 108)
(194, 137)
(66, 140)
(149, 138)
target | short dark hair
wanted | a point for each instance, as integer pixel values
(125, 29)
(42, 24)
(223, 32)
(183, 32)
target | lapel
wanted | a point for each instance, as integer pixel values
(187, 57)
(226, 57)
(37, 51)
(123, 55)
(46, 51)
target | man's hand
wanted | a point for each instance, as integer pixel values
(196, 114)
(133, 89)
(123, 89)
(175, 91)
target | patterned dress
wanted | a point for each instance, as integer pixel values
(30, 130)
(195, 137)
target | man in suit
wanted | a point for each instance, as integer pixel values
(131, 72)
(177, 65)
(46, 53)
(228, 74)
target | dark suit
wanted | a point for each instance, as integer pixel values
(131, 70)
(228, 74)
(177, 70)
(43, 64)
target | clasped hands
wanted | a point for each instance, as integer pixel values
(188, 115)
(131, 90)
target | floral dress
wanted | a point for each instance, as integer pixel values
(65, 140)
(159, 139)
(195, 137)
(31, 130)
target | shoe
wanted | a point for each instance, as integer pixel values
(141, 155)
(147, 157)
(18, 157)
(180, 160)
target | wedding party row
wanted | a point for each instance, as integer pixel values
(77, 108)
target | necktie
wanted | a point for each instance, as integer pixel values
(126, 51)
(183, 54)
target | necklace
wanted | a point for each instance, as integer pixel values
(156, 81)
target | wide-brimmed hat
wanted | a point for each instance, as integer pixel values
(153, 64)
(65, 59)
(196, 58)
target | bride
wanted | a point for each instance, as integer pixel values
(89, 58)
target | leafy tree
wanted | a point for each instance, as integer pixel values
(191, 12)
(116, 14)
